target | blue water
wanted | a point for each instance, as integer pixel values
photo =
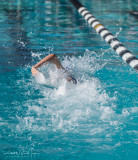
(48, 118)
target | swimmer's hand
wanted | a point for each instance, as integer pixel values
(34, 71)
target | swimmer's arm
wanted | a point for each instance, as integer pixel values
(34, 69)
(52, 58)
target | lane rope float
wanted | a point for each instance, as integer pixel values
(117, 46)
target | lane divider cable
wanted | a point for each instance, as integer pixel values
(117, 46)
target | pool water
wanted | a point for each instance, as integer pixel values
(46, 117)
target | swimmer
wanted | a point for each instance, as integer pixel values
(52, 58)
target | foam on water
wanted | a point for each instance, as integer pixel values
(46, 117)
(83, 113)
(84, 108)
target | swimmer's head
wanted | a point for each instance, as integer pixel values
(71, 79)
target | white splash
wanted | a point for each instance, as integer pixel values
(84, 108)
